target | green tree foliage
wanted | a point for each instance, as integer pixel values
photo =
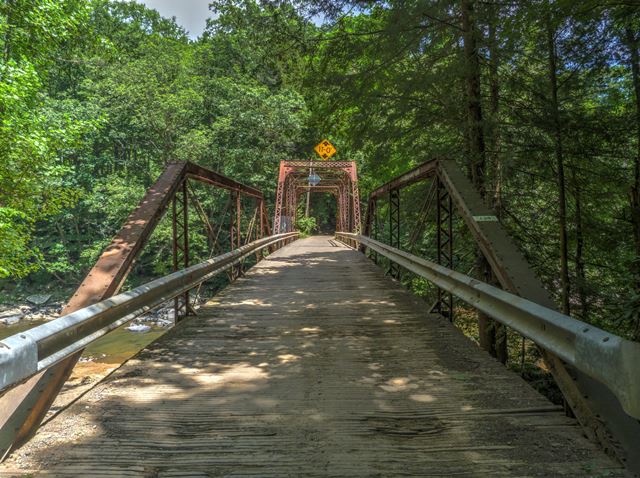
(393, 77)
(97, 96)
(38, 134)
(307, 225)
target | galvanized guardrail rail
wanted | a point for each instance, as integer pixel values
(24, 406)
(27, 353)
(607, 358)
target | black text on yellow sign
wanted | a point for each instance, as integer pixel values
(325, 149)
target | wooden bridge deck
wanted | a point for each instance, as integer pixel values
(314, 364)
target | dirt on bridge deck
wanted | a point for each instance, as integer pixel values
(313, 364)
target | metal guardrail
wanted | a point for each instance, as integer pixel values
(608, 358)
(27, 353)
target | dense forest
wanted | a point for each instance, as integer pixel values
(538, 100)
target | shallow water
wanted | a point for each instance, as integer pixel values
(121, 344)
(115, 347)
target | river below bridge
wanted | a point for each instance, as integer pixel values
(98, 360)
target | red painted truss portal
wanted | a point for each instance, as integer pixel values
(339, 178)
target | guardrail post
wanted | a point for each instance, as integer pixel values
(444, 235)
(394, 230)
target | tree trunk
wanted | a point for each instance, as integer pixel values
(559, 154)
(488, 329)
(474, 106)
(494, 89)
(581, 279)
(632, 43)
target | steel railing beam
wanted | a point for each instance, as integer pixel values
(25, 354)
(606, 357)
(594, 405)
(23, 408)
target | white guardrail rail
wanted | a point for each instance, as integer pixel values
(608, 358)
(24, 354)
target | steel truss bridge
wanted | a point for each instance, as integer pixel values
(316, 361)
(339, 178)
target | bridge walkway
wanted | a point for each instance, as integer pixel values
(313, 364)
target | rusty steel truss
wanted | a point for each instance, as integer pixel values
(593, 404)
(339, 178)
(23, 407)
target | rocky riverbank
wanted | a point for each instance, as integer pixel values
(30, 311)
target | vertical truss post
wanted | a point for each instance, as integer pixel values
(355, 194)
(394, 230)
(344, 205)
(277, 214)
(373, 224)
(444, 231)
(260, 232)
(180, 232)
(338, 206)
(348, 207)
(260, 229)
(294, 218)
(238, 220)
(238, 227)
(234, 230)
(339, 210)
(185, 241)
(290, 200)
(288, 208)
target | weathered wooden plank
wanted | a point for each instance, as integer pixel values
(314, 364)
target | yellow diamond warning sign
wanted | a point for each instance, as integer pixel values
(325, 149)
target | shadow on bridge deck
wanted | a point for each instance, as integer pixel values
(314, 364)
